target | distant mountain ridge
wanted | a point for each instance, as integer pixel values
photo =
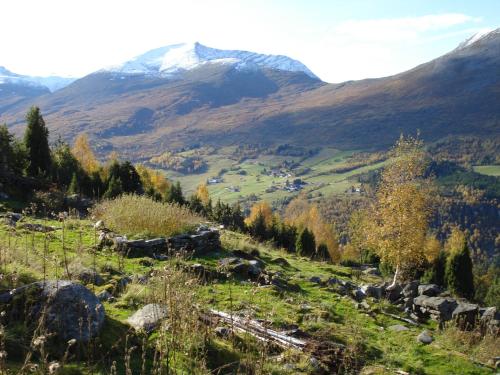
(168, 60)
(183, 95)
(52, 83)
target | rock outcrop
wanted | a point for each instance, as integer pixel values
(149, 317)
(68, 309)
(203, 241)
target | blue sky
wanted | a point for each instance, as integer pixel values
(337, 40)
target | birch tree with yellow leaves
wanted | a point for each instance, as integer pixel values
(402, 208)
(84, 154)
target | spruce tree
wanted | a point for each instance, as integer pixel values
(175, 195)
(459, 276)
(114, 188)
(493, 295)
(322, 252)
(73, 186)
(258, 227)
(306, 244)
(237, 218)
(195, 204)
(36, 140)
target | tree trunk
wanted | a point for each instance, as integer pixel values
(394, 281)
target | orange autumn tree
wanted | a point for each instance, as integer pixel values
(84, 154)
(303, 214)
(260, 209)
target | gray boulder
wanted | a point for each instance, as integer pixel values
(372, 291)
(315, 279)
(466, 315)
(371, 271)
(148, 318)
(410, 290)
(358, 295)
(89, 276)
(105, 296)
(394, 293)
(490, 320)
(398, 328)
(68, 309)
(254, 268)
(281, 262)
(425, 338)
(440, 308)
(430, 290)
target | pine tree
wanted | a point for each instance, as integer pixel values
(131, 181)
(459, 275)
(195, 204)
(493, 295)
(306, 244)
(258, 227)
(114, 188)
(36, 140)
(64, 165)
(237, 218)
(322, 252)
(175, 195)
(73, 186)
(436, 273)
(12, 154)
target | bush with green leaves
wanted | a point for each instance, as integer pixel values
(306, 243)
(459, 276)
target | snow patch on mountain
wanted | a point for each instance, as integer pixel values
(479, 36)
(52, 83)
(168, 60)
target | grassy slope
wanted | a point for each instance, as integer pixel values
(490, 170)
(315, 309)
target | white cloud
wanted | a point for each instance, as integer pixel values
(379, 47)
(398, 29)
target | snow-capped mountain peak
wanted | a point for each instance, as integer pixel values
(479, 36)
(165, 61)
(51, 83)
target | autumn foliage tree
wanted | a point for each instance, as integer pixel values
(303, 214)
(401, 211)
(203, 194)
(84, 154)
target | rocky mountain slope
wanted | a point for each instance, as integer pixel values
(184, 95)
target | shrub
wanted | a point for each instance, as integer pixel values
(459, 276)
(435, 274)
(493, 295)
(133, 215)
(306, 244)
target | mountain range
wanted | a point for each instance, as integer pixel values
(188, 94)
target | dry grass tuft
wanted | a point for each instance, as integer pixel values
(137, 215)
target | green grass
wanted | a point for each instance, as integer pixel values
(490, 170)
(315, 309)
